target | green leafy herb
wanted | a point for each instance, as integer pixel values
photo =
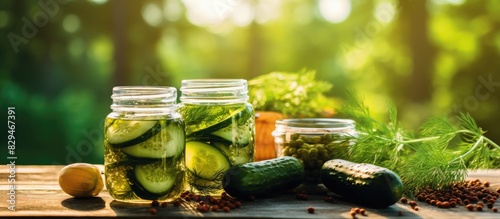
(205, 186)
(294, 94)
(439, 154)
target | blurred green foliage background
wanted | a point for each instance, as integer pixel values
(59, 59)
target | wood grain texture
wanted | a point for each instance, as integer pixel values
(38, 194)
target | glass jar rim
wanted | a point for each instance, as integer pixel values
(214, 90)
(144, 92)
(310, 125)
(144, 98)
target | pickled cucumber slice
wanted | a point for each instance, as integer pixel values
(208, 126)
(169, 142)
(124, 133)
(151, 181)
(205, 161)
(237, 135)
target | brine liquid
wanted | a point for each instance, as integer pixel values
(229, 130)
(143, 163)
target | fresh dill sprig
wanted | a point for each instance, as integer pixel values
(205, 186)
(439, 154)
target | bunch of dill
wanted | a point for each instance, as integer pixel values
(439, 154)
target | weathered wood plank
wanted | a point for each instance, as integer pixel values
(38, 194)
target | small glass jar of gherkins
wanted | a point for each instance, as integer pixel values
(314, 141)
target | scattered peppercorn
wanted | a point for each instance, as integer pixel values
(301, 196)
(155, 203)
(404, 200)
(208, 203)
(489, 205)
(153, 210)
(353, 214)
(329, 199)
(479, 207)
(494, 209)
(164, 204)
(177, 203)
(466, 201)
(415, 208)
(400, 213)
(237, 204)
(446, 204)
(215, 208)
(433, 202)
(453, 204)
(471, 193)
(201, 208)
(362, 211)
(310, 210)
(412, 203)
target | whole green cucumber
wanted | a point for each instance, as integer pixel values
(366, 184)
(263, 177)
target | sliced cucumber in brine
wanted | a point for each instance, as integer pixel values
(152, 181)
(124, 133)
(237, 135)
(169, 142)
(205, 161)
(237, 117)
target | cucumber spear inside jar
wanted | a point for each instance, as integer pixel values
(218, 137)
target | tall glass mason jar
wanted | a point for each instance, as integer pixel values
(144, 144)
(314, 141)
(220, 130)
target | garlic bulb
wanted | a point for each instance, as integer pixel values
(81, 180)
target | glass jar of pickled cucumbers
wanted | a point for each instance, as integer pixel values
(144, 144)
(219, 130)
(314, 141)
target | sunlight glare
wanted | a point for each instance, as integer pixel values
(71, 23)
(335, 11)
(385, 12)
(451, 2)
(99, 2)
(243, 14)
(202, 12)
(267, 10)
(172, 10)
(152, 14)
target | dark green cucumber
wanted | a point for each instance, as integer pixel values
(366, 184)
(263, 177)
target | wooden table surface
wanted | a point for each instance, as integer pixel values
(39, 195)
